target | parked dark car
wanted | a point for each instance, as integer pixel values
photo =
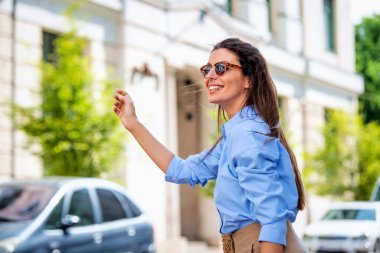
(73, 215)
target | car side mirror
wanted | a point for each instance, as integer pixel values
(69, 221)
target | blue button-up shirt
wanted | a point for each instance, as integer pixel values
(254, 178)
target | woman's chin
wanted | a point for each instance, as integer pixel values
(213, 101)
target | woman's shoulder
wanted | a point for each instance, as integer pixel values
(253, 136)
(251, 129)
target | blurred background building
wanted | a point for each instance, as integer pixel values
(155, 47)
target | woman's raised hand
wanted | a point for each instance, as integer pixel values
(125, 109)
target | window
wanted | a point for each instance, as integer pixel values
(48, 46)
(80, 205)
(111, 207)
(238, 9)
(131, 209)
(229, 7)
(377, 195)
(329, 21)
(23, 202)
(269, 7)
(350, 214)
(328, 114)
(55, 217)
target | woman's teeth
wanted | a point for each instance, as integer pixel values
(212, 88)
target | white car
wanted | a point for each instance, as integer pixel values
(347, 227)
(375, 196)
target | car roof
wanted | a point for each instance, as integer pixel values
(56, 182)
(356, 205)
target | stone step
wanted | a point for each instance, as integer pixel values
(202, 247)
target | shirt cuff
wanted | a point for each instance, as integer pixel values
(172, 170)
(274, 232)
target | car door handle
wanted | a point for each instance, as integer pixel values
(131, 231)
(98, 238)
(54, 246)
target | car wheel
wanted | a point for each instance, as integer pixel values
(376, 249)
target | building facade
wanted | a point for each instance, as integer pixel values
(155, 47)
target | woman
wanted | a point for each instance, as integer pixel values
(258, 188)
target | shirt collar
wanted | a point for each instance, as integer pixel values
(247, 113)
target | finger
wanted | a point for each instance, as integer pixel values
(121, 99)
(122, 92)
(117, 98)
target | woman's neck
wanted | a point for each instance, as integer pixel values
(233, 110)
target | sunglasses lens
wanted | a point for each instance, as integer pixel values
(220, 68)
(206, 69)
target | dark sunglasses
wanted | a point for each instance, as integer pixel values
(220, 68)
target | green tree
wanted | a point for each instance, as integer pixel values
(346, 166)
(73, 123)
(369, 159)
(331, 170)
(367, 37)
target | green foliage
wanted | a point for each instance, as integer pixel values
(345, 166)
(332, 169)
(367, 37)
(73, 124)
(369, 160)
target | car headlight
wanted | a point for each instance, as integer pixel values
(363, 237)
(8, 245)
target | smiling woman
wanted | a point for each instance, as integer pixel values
(258, 189)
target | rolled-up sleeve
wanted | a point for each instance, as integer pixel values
(196, 169)
(258, 175)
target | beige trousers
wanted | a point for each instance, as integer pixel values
(245, 240)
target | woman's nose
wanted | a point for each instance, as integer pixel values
(211, 74)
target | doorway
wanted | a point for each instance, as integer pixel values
(189, 142)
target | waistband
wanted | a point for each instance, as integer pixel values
(228, 240)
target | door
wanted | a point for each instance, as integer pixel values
(84, 237)
(121, 231)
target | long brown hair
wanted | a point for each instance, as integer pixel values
(262, 96)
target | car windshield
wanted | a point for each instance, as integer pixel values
(350, 214)
(23, 202)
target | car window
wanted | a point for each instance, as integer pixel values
(128, 205)
(80, 205)
(54, 220)
(111, 207)
(350, 214)
(23, 202)
(377, 195)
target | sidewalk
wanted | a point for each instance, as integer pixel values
(201, 247)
